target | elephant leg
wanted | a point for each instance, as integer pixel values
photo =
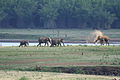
(25, 45)
(51, 45)
(45, 44)
(38, 45)
(60, 44)
(107, 42)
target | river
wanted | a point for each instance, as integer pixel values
(66, 44)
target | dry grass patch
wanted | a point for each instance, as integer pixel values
(17, 75)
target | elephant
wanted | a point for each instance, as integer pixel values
(56, 42)
(102, 39)
(24, 42)
(45, 40)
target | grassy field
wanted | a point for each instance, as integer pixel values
(47, 58)
(67, 34)
(27, 57)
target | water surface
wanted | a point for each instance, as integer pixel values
(66, 44)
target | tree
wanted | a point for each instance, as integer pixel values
(100, 14)
(24, 10)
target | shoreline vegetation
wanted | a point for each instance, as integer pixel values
(66, 34)
(93, 14)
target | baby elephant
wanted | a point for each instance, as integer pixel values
(24, 42)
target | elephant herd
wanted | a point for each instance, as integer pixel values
(59, 42)
(46, 41)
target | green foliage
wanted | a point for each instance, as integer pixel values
(100, 14)
(24, 78)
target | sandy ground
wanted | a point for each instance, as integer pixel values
(16, 75)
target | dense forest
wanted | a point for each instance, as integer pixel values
(85, 14)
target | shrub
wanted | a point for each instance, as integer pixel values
(23, 78)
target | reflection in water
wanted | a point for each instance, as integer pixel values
(66, 44)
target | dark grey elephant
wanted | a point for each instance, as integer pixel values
(45, 40)
(24, 43)
(56, 42)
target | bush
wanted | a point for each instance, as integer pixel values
(23, 78)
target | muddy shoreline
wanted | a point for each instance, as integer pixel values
(90, 70)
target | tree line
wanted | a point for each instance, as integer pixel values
(94, 14)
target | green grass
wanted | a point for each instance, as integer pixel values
(67, 34)
(22, 57)
(23, 78)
